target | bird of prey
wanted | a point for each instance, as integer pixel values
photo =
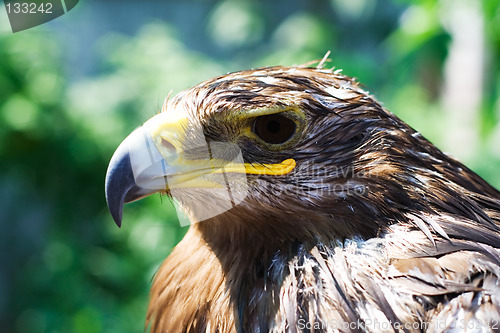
(316, 210)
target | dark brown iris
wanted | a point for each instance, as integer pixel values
(274, 128)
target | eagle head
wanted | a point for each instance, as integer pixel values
(296, 147)
(282, 166)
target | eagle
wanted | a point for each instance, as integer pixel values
(312, 208)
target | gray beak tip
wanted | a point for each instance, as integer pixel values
(119, 181)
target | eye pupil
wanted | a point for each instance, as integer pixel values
(274, 129)
(273, 126)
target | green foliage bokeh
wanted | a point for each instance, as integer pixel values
(65, 266)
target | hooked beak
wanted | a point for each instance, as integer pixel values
(157, 157)
(138, 168)
(121, 186)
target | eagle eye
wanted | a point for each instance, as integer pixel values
(274, 128)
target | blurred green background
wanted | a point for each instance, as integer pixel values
(72, 89)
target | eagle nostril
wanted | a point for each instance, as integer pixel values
(168, 146)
